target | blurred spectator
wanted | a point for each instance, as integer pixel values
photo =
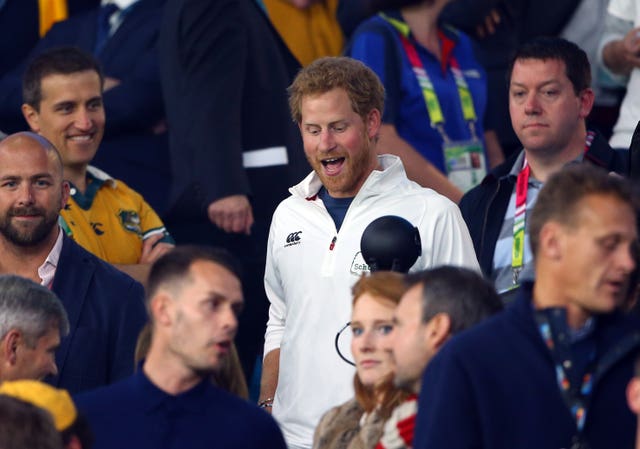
(33, 322)
(194, 297)
(235, 150)
(26, 426)
(63, 103)
(73, 428)
(436, 94)
(22, 23)
(633, 398)
(123, 39)
(620, 51)
(228, 376)
(563, 348)
(310, 28)
(438, 304)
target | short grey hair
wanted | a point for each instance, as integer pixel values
(30, 308)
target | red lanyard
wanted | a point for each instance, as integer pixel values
(522, 188)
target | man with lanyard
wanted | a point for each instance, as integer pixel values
(551, 370)
(549, 100)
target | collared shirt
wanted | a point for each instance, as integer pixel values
(502, 269)
(502, 256)
(110, 219)
(47, 270)
(118, 17)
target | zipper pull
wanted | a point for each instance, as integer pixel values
(333, 243)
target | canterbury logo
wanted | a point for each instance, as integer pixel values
(293, 238)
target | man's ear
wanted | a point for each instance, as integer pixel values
(587, 99)
(10, 345)
(550, 240)
(32, 117)
(438, 331)
(373, 123)
(633, 394)
(160, 308)
(66, 189)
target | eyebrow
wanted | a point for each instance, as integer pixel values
(36, 176)
(343, 120)
(542, 84)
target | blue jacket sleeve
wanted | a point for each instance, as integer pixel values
(447, 415)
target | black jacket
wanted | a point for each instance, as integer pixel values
(483, 208)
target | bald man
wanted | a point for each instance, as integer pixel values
(105, 306)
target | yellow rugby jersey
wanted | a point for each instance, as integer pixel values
(110, 219)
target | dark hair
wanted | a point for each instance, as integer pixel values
(560, 196)
(576, 63)
(174, 266)
(23, 425)
(59, 60)
(464, 295)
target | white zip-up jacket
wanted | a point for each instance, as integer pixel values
(310, 270)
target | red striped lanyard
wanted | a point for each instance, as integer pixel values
(522, 188)
(428, 91)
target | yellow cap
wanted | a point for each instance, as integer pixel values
(57, 402)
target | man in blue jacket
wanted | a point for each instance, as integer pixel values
(104, 306)
(551, 370)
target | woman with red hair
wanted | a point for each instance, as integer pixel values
(358, 423)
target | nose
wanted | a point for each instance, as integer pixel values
(26, 194)
(230, 321)
(532, 105)
(83, 120)
(367, 343)
(627, 259)
(53, 368)
(327, 140)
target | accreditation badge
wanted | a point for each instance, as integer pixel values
(465, 162)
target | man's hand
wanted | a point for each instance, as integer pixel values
(152, 250)
(631, 46)
(232, 214)
(488, 26)
(621, 56)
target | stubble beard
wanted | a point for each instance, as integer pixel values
(30, 236)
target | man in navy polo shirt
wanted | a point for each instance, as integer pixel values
(194, 298)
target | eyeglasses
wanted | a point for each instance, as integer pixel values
(337, 344)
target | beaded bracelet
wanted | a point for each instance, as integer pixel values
(266, 403)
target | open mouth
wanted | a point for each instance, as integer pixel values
(224, 346)
(332, 166)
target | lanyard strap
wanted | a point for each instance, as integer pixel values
(575, 397)
(428, 92)
(522, 188)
